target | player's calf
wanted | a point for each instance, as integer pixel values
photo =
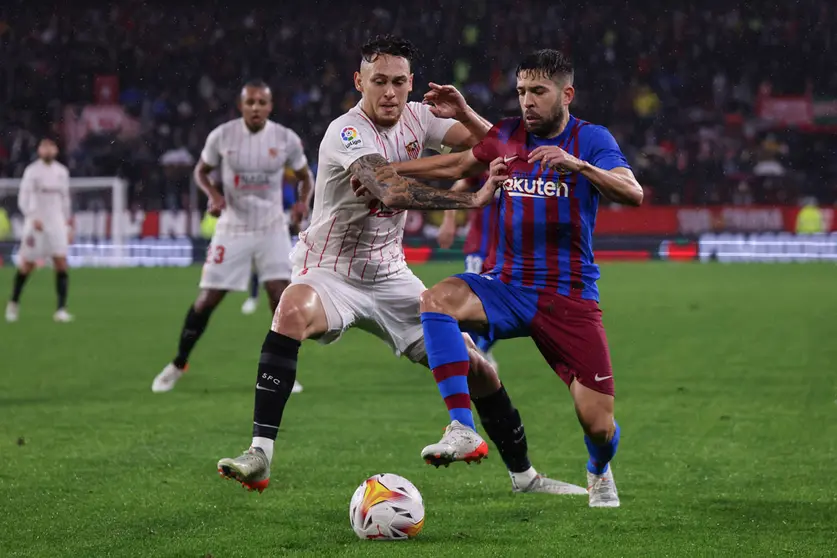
(300, 313)
(62, 284)
(13, 306)
(447, 354)
(601, 436)
(197, 318)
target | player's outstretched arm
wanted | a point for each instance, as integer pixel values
(447, 230)
(443, 167)
(446, 101)
(380, 179)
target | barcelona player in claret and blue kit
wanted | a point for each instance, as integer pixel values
(554, 169)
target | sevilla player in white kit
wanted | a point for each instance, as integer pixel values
(350, 271)
(252, 231)
(44, 200)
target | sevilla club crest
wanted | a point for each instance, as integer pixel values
(413, 149)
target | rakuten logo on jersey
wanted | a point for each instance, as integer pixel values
(537, 188)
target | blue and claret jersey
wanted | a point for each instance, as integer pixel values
(546, 219)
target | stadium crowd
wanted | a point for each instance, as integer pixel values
(687, 80)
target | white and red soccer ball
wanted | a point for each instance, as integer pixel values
(386, 507)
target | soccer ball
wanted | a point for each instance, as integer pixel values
(386, 507)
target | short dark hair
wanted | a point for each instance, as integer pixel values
(391, 45)
(256, 83)
(549, 63)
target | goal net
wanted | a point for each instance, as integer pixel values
(100, 217)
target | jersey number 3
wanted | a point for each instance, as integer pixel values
(215, 254)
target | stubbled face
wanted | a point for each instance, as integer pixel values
(544, 102)
(385, 84)
(255, 104)
(47, 150)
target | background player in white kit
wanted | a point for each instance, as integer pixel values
(44, 200)
(349, 266)
(252, 230)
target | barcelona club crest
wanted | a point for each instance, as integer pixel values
(413, 149)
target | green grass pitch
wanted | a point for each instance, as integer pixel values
(726, 394)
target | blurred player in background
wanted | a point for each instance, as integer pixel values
(252, 230)
(290, 200)
(479, 244)
(350, 270)
(543, 284)
(44, 200)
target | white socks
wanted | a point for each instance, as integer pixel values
(266, 444)
(524, 479)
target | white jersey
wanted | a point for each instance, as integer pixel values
(45, 194)
(352, 236)
(252, 171)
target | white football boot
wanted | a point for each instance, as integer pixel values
(602, 489)
(12, 312)
(250, 305)
(459, 443)
(62, 316)
(297, 387)
(251, 469)
(165, 380)
(544, 485)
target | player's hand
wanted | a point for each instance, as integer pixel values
(497, 174)
(216, 205)
(299, 212)
(358, 187)
(70, 235)
(445, 101)
(447, 233)
(39, 226)
(555, 158)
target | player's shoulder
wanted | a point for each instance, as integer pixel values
(227, 126)
(278, 127)
(62, 168)
(346, 130)
(32, 167)
(587, 131)
(505, 128)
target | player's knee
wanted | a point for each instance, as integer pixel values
(292, 317)
(598, 427)
(208, 300)
(438, 299)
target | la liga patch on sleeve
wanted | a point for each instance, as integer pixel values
(350, 137)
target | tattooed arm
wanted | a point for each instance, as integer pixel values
(378, 177)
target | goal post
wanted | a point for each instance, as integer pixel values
(110, 188)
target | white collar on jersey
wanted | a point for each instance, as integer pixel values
(382, 129)
(247, 130)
